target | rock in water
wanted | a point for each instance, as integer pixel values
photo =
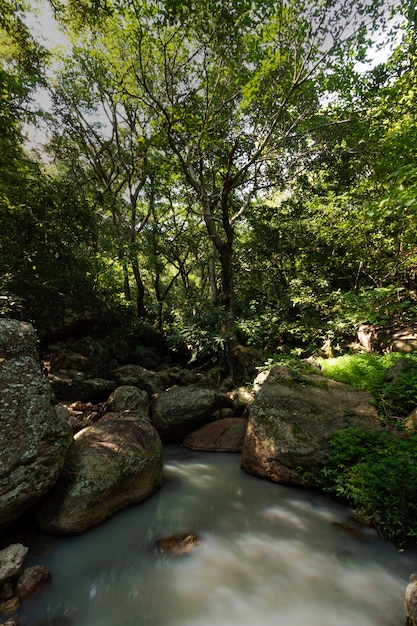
(181, 410)
(177, 545)
(111, 465)
(11, 560)
(223, 435)
(292, 418)
(33, 438)
(32, 580)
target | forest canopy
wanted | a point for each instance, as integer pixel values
(226, 173)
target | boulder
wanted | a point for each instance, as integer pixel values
(32, 580)
(11, 560)
(73, 385)
(396, 338)
(87, 355)
(111, 465)
(129, 400)
(223, 435)
(178, 376)
(292, 418)
(139, 377)
(34, 439)
(180, 410)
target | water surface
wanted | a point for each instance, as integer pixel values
(269, 554)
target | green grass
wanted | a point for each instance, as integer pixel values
(391, 378)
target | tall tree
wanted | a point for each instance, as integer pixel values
(47, 230)
(233, 90)
(239, 89)
(105, 138)
(342, 249)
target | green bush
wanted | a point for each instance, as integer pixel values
(198, 337)
(391, 378)
(376, 472)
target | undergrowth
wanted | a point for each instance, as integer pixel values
(391, 378)
(376, 472)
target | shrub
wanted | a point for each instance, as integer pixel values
(391, 378)
(376, 472)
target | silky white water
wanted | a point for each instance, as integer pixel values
(268, 554)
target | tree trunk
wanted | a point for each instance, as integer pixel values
(126, 284)
(228, 322)
(140, 299)
(212, 278)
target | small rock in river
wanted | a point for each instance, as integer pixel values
(351, 530)
(177, 545)
(32, 580)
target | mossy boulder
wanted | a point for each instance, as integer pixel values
(111, 465)
(34, 438)
(129, 400)
(178, 411)
(292, 419)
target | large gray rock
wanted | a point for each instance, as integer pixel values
(11, 560)
(129, 400)
(292, 418)
(111, 465)
(33, 438)
(178, 411)
(139, 377)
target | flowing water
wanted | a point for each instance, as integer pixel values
(268, 554)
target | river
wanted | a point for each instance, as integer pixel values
(268, 554)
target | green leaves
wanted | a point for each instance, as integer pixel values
(402, 197)
(391, 378)
(377, 473)
(177, 119)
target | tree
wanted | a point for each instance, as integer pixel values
(104, 138)
(237, 90)
(234, 91)
(341, 250)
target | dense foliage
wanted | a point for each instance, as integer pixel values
(224, 173)
(377, 473)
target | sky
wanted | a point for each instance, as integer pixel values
(45, 30)
(43, 25)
